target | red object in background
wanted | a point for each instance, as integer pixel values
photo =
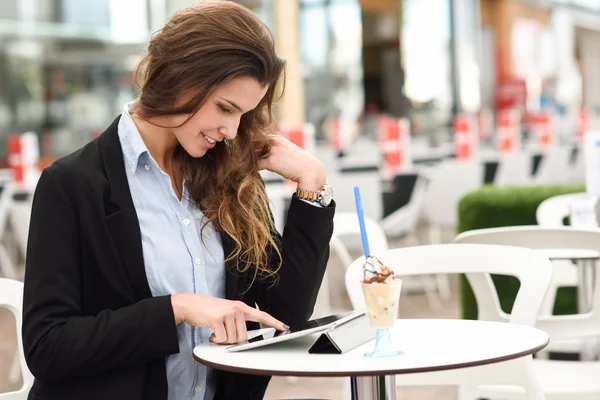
(464, 138)
(296, 136)
(542, 125)
(511, 93)
(303, 137)
(507, 131)
(382, 123)
(585, 123)
(24, 158)
(15, 158)
(394, 139)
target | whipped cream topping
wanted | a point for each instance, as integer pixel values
(374, 271)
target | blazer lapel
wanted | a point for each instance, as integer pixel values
(121, 217)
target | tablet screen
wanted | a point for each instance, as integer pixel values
(315, 323)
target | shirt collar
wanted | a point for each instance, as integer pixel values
(131, 141)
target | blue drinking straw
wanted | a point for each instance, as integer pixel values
(361, 221)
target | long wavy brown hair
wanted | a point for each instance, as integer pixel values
(200, 48)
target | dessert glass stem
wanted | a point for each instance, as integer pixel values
(383, 345)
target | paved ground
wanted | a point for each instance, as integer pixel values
(411, 306)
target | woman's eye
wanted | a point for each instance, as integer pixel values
(225, 110)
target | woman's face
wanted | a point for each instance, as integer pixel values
(219, 117)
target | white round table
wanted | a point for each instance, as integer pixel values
(428, 345)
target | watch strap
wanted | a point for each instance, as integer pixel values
(307, 194)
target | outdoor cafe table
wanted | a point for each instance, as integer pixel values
(428, 345)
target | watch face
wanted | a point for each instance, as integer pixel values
(327, 195)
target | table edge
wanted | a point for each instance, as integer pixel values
(268, 372)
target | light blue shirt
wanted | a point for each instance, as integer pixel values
(175, 257)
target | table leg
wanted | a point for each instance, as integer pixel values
(368, 388)
(390, 387)
(585, 292)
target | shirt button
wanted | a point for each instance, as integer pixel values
(147, 167)
(197, 261)
(186, 221)
(197, 389)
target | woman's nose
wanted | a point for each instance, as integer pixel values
(228, 133)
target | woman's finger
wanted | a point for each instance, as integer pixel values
(242, 331)
(220, 333)
(231, 328)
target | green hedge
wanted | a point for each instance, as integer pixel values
(491, 207)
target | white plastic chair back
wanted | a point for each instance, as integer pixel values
(11, 297)
(448, 182)
(553, 210)
(514, 169)
(279, 196)
(537, 237)
(404, 220)
(6, 199)
(346, 235)
(20, 217)
(554, 167)
(369, 183)
(7, 268)
(533, 270)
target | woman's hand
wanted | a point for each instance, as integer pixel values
(226, 318)
(294, 163)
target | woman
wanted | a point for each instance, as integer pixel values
(157, 236)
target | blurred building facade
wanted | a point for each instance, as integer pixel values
(67, 65)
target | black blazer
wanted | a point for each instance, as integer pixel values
(91, 328)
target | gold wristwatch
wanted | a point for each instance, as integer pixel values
(323, 196)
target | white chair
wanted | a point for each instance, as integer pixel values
(20, 216)
(404, 220)
(448, 182)
(559, 380)
(7, 268)
(540, 238)
(346, 230)
(551, 213)
(11, 297)
(477, 261)
(369, 182)
(553, 210)
(554, 167)
(514, 169)
(279, 193)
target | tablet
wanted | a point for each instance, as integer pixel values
(313, 326)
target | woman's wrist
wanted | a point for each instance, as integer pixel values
(313, 179)
(178, 304)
